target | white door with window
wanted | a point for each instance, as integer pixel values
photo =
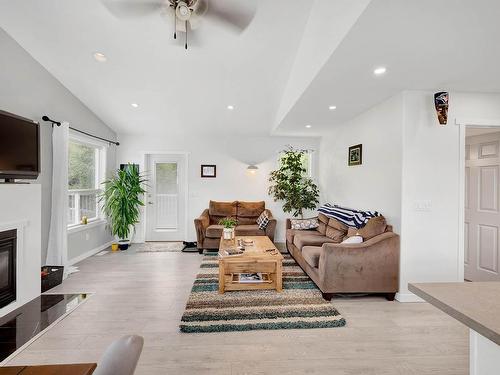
(482, 210)
(166, 198)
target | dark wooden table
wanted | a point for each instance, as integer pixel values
(67, 369)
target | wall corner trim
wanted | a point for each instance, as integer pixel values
(408, 298)
(477, 121)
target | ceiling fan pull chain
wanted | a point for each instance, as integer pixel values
(186, 25)
(175, 25)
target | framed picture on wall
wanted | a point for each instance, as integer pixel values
(208, 170)
(355, 155)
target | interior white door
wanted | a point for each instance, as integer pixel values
(482, 211)
(166, 198)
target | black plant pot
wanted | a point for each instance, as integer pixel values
(123, 244)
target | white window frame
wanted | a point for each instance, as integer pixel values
(100, 175)
(309, 164)
(309, 171)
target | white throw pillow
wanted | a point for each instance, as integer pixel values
(353, 239)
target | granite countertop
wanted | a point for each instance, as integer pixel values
(475, 304)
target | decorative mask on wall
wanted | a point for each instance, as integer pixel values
(441, 104)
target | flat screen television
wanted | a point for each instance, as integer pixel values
(19, 147)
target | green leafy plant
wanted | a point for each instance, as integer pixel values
(228, 222)
(291, 185)
(122, 200)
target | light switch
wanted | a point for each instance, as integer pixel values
(423, 205)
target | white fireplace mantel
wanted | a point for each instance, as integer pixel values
(20, 209)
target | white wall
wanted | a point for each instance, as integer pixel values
(410, 173)
(21, 210)
(27, 89)
(232, 155)
(376, 184)
(88, 241)
(431, 169)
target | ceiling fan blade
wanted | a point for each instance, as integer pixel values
(132, 8)
(237, 14)
(200, 7)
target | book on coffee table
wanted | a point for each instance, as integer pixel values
(232, 252)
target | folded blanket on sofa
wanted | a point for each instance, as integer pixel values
(348, 216)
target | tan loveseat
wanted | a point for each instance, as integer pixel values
(368, 267)
(209, 232)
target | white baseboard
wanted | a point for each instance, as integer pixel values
(408, 297)
(89, 253)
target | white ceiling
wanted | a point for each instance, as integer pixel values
(178, 91)
(425, 44)
(265, 71)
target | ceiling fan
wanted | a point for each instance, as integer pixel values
(187, 15)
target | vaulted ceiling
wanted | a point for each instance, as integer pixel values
(178, 91)
(295, 59)
(424, 45)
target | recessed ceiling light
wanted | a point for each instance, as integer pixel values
(100, 57)
(230, 107)
(308, 126)
(332, 107)
(380, 70)
(135, 105)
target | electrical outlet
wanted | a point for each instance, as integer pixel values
(87, 236)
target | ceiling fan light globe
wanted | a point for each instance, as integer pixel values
(182, 11)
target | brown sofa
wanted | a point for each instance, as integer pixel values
(209, 232)
(368, 267)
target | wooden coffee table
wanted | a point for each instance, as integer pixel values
(255, 260)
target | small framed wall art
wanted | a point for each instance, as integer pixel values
(355, 155)
(208, 170)
(441, 104)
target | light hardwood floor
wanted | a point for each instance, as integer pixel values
(145, 293)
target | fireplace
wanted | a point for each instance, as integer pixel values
(8, 241)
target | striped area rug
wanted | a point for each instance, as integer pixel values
(300, 305)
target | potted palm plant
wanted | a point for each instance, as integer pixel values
(228, 223)
(122, 201)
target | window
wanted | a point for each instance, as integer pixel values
(306, 163)
(86, 164)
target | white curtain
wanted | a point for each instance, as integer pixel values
(58, 236)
